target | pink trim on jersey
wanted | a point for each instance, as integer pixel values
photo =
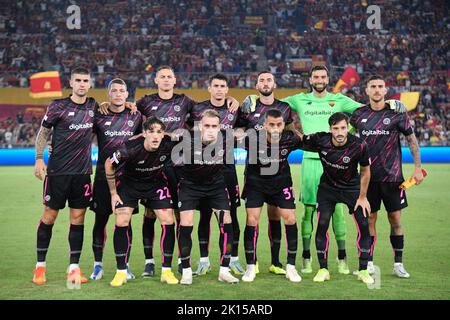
(359, 235)
(254, 242)
(163, 236)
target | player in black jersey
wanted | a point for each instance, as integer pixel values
(380, 127)
(173, 109)
(268, 180)
(218, 88)
(67, 177)
(340, 154)
(141, 160)
(254, 118)
(111, 130)
(202, 180)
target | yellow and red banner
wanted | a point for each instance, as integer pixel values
(409, 99)
(348, 79)
(45, 85)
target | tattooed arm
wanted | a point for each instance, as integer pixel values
(415, 151)
(41, 141)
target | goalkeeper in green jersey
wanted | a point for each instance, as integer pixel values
(314, 109)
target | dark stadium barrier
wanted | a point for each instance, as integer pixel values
(25, 157)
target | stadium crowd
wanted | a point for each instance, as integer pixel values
(131, 38)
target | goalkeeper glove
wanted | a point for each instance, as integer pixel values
(249, 103)
(397, 106)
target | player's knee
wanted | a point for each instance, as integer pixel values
(123, 219)
(307, 214)
(252, 220)
(322, 224)
(290, 219)
(272, 213)
(49, 215)
(149, 213)
(167, 218)
(77, 219)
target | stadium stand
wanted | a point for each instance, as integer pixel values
(131, 38)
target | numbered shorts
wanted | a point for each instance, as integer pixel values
(393, 197)
(277, 192)
(155, 195)
(75, 189)
(101, 198)
(214, 195)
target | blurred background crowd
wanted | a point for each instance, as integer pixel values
(130, 39)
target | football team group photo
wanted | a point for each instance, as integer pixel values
(225, 150)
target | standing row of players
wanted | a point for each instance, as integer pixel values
(142, 161)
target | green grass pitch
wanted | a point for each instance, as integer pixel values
(426, 224)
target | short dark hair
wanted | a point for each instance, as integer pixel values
(218, 76)
(319, 67)
(374, 77)
(211, 114)
(79, 70)
(164, 67)
(337, 117)
(274, 113)
(151, 121)
(118, 81)
(264, 71)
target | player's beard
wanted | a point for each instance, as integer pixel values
(321, 89)
(266, 93)
(344, 140)
(375, 100)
